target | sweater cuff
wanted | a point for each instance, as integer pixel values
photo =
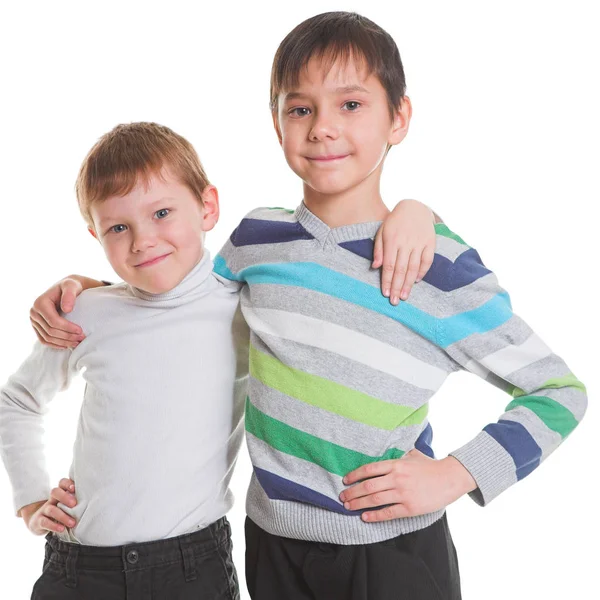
(23, 498)
(492, 468)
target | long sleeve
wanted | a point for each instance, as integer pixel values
(23, 402)
(478, 329)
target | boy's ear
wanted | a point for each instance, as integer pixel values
(210, 208)
(94, 234)
(275, 115)
(401, 122)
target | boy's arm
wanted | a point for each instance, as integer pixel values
(50, 327)
(474, 323)
(23, 402)
(479, 330)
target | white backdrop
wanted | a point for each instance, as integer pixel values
(503, 144)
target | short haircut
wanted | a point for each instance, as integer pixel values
(132, 153)
(334, 36)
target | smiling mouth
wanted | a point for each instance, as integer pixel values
(327, 158)
(153, 261)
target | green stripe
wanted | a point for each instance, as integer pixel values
(331, 457)
(555, 416)
(443, 230)
(556, 382)
(287, 210)
(331, 396)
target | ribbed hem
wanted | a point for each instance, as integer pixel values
(308, 522)
(345, 233)
(490, 465)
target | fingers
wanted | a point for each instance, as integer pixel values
(63, 496)
(70, 289)
(426, 261)
(378, 249)
(414, 263)
(374, 469)
(42, 340)
(396, 511)
(400, 272)
(67, 484)
(54, 330)
(390, 258)
(368, 488)
(57, 516)
(374, 500)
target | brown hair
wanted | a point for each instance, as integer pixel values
(132, 151)
(339, 35)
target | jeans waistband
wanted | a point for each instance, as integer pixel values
(139, 556)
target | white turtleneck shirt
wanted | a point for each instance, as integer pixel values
(161, 420)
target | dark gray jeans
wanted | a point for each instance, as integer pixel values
(196, 566)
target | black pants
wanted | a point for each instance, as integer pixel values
(195, 566)
(417, 566)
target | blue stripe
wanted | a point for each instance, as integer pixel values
(364, 248)
(423, 443)
(449, 276)
(278, 488)
(486, 317)
(311, 276)
(259, 231)
(519, 443)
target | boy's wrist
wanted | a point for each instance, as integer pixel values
(462, 480)
(87, 282)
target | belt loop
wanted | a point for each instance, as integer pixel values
(189, 562)
(71, 566)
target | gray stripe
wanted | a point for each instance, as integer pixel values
(329, 426)
(342, 371)
(351, 316)
(308, 522)
(475, 347)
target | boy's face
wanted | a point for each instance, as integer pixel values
(335, 127)
(153, 236)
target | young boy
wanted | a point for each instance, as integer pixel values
(165, 365)
(147, 410)
(340, 379)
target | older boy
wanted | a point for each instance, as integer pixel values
(340, 380)
(165, 365)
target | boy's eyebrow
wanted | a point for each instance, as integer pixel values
(348, 89)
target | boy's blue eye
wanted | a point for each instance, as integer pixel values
(118, 228)
(352, 105)
(162, 213)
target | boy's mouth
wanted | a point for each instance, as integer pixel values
(327, 157)
(153, 261)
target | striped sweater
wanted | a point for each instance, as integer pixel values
(339, 377)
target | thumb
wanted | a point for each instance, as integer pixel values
(69, 289)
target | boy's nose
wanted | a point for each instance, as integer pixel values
(324, 127)
(142, 241)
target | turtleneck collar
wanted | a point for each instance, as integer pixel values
(195, 281)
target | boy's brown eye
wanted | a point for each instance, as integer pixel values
(301, 111)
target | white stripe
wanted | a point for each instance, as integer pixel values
(512, 358)
(345, 342)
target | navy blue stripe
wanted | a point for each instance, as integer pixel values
(364, 248)
(278, 488)
(423, 443)
(449, 276)
(517, 441)
(259, 231)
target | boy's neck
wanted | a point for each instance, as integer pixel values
(360, 204)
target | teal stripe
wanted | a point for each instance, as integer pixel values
(490, 315)
(327, 455)
(554, 415)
